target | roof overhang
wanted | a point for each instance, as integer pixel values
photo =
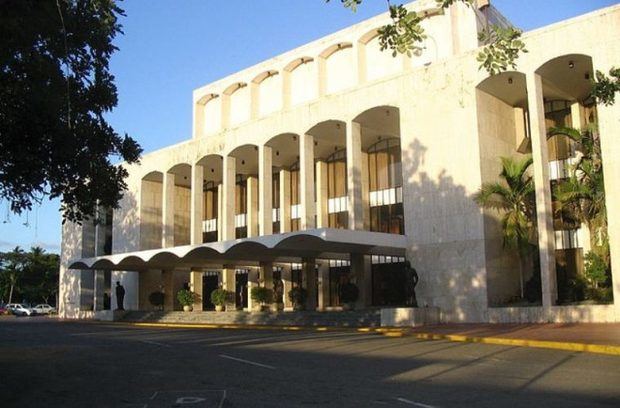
(321, 243)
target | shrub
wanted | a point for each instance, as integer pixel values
(156, 299)
(261, 295)
(219, 297)
(186, 297)
(297, 296)
(595, 269)
(349, 293)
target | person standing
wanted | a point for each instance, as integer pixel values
(120, 296)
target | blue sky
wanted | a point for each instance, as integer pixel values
(172, 47)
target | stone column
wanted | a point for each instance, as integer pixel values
(285, 201)
(167, 211)
(99, 289)
(266, 274)
(228, 197)
(228, 283)
(546, 236)
(265, 190)
(197, 205)
(323, 285)
(306, 176)
(322, 215)
(253, 282)
(220, 212)
(288, 285)
(362, 275)
(167, 277)
(354, 175)
(252, 205)
(195, 282)
(365, 193)
(309, 281)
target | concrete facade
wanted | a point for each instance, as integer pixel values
(287, 118)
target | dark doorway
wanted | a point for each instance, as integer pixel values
(389, 284)
(338, 276)
(209, 284)
(241, 288)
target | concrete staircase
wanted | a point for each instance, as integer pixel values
(355, 318)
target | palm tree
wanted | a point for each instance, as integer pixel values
(514, 196)
(12, 269)
(582, 195)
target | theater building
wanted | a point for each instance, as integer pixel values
(335, 162)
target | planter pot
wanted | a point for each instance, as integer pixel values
(219, 308)
(187, 308)
(264, 308)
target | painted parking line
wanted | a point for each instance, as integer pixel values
(240, 360)
(414, 403)
(154, 343)
(188, 398)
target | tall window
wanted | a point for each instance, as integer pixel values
(241, 204)
(209, 224)
(295, 197)
(337, 190)
(275, 200)
(385, 185)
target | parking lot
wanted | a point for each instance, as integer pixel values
(67, 364)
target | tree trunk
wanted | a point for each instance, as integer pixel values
(521, 283)
(11, 294)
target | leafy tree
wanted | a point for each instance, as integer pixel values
(604, 87)
(583, 193)
(405, 36)
(12, 265)
(514, 196)
(55, 89)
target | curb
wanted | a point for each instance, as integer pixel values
(404, 332)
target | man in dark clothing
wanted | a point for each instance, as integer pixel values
(412, 281)
(120, 296)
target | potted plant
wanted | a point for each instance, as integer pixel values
(219, 297)
(186, 298)
(157, 300)
(297, 296)
(349, 293)
(263, 296)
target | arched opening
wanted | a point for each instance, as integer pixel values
(379, 63)
(575, 167)
(331, 181)
(209, 117)
(151, 210)
(211, 190)
(285, 182)
(179, 198)
(239, 103)
(246, 191)
(504, 131)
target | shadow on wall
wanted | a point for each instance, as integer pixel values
(446, 238)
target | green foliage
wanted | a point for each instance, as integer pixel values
(515, 197)
(220, 296)
(262, 295)
(502, 49)
(31, 275)
(298, 297)
(55, 93)
(404, 35)
(596, 270)
(349, 293)
(604, 88)
(156, 299)
(186, 297)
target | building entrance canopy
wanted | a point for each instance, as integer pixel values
(321, 243)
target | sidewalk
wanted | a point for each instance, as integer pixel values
(589, 337)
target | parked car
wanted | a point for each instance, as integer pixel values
(44, 308)
(20, 310)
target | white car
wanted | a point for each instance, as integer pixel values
(20, 310)
(44, 308)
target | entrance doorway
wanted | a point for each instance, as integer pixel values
(338, 276)
(241, 288)
(389, 284)
(209, 284)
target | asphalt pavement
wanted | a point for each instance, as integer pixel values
(48, 363)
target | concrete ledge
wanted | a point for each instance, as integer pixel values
(409, 316)
(556, 314)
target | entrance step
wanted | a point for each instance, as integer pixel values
(362, 318)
